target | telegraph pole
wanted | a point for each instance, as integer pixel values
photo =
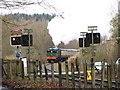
(92, 28)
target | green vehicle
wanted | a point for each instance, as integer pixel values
(54, 54)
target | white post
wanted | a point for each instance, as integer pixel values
(24, 59)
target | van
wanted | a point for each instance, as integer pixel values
(118, 60)
(98, 66)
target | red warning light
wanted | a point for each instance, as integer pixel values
(13, 39)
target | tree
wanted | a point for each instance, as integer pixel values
(11, 5)
(104, 38)
(61, 45)
(41, 38)
(72, 44)
(115, 23)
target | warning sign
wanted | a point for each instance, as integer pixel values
(89, 77)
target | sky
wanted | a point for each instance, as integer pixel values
(77, 16)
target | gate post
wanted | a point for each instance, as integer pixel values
(66, 70)
(60, 74)
(73, 76)
(52, 68)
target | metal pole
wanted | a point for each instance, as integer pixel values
(92, 28)
(83, 42)
(92, 62)
(29, 47)
(84, 62)
(17, 61)
(83, 34)
(29, 54)
(28, 31)
(92, 38)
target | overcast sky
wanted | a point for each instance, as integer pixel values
(78, 15)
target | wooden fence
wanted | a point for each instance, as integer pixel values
(12, 69)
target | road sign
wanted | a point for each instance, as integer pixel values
(18, 55)
(92, 28)
(28, 30)
(89, 77)
(93, 47)
(17, 32)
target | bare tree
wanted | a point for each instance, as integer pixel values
(18, 4)
(115, 23)
(11, 5)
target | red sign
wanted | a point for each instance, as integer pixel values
(17, 32)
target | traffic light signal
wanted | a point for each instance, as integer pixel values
(96, 38)
(86, 44)
(22, 40)
(80, 42)
(25, 40)
(15, 40)
(88, 39)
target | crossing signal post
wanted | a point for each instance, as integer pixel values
(21, 40)
(83, 53)
(29, 43)
(92, 28)
(15, 40)
(27, 40)
(88, 39)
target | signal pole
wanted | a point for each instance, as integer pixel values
(92, 28)
(28, 31)
(84, 63)
(83, 34)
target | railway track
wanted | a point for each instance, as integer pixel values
(89, 82)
